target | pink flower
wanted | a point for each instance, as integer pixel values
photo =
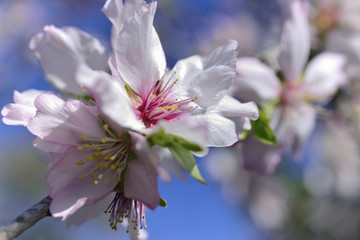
(194, 91)
(294, 116)
(97, 161)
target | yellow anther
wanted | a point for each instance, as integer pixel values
(106, 127)
(98, 169)
(112, 158)
(96, 182)
(89, 158)
(100, 176)
(83, 90)
(118, 179)
(83, 138)
(197, 96)
(113, 167)
(167, 70)
(104, 140)
(80, 148)
(104, 165)
(81, 176)
(80, 162)
(107, 180)
(93, 175)
(86, 145)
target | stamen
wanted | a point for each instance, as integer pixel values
(121, 208)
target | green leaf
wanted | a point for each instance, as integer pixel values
(181, 149)
(162, 202)
(187, 160)
(167, 140)
(262, 130)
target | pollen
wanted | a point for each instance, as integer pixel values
(107, 156)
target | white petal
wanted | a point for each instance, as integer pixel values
(139, 55)
(324, 75)
(22, 110)
(222, 131)
(209, 77)
(295, 42)
(191, 131)
(255, 81)
(230, 107)
(60, 52)
(111, 99)
(64, 122)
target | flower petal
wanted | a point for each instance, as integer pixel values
(22, 110)
(189, 130)
(64, 122)
(61, 50)
(221, 130)
(139, 55)
(295, 42)
(87, 212)
(209, 77)
(111, 99)
(141, 174)
(68, 191)
(324, 75)
(255, 81)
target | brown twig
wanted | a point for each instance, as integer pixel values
(26, 220)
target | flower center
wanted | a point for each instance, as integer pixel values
(160, 102)
(108, 154)
(121, 208)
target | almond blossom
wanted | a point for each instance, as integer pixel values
(194, 90)
(99, 142)
(295, 95)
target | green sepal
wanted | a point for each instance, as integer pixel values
(162, 202)
(262, 130)
(181, 150)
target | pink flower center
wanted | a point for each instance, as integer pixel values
(160, 103)
(122, 208)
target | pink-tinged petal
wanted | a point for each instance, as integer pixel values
(111, 99)
(118, 12)
(62, 50)
(255, 81)
(139, 55)
(324, 75)
(49, 146)
(295, 42)
(22, 110)
(87, 212)
(191, 131)
(259, 157)
(64, 122)
(141, 174)
(209, 77)
(221, 130)
(68, 191)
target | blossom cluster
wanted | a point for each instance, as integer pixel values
(120, 121)
(122, 111)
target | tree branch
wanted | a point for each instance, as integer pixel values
(26, 220)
